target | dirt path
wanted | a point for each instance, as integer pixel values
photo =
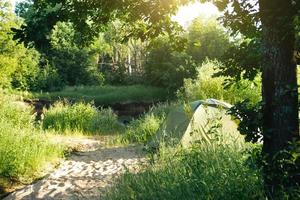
(85, 174)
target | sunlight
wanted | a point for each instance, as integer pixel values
(189, 12)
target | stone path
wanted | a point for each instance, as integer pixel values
(86, 174)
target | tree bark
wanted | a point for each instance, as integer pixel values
(279, 82)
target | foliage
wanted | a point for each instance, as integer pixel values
(242, 60)
(24, 150)
(8, 53)
(107, 95)
(20, 66)
(72, 60)
(207, 86)
(143, 19)
(201, 172)
(250, 118)
(80, 117)
(167, 67)
(206, 39)
(39, 19)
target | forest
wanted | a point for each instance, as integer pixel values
(149, 99)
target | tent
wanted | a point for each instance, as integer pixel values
(199, 121)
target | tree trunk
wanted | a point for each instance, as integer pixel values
(279, 80)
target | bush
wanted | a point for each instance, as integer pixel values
(24, 150)
(206, 86)
(80, 117)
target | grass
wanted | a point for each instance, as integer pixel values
(201, 172)
(142, 129)
(24, 152)
(24, 149)
(80, 117)
(107, 95)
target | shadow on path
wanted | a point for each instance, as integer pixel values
(85, 175)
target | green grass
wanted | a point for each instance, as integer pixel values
(142, 129)
(107, 95)
(222, 168)
(24, 152)
(80, 118)
(24, 149)
(201, 172)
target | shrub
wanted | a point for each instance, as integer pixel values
(206, 86)
(48, 80)
(80, 117)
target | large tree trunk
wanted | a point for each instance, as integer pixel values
(279, 80)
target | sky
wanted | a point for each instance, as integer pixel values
(189, 12)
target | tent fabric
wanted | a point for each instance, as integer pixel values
(194, 123)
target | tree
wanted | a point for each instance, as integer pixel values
(167, 67)
(279, 79)
(270, 22)
(18, 65)
(206, 39)
(73, 61)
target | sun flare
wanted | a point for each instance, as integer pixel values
(189, 12)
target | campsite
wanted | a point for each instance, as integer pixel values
(149, 99)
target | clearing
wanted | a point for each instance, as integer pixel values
(85, 174)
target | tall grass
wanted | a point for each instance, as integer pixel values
(24, 152)
(219, 169)
(107, 95)
(198, 173)
(24, 149)
(142, 129)
(80, 117)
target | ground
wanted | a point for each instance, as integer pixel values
(85, 174)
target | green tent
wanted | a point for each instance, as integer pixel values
(199, 121)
